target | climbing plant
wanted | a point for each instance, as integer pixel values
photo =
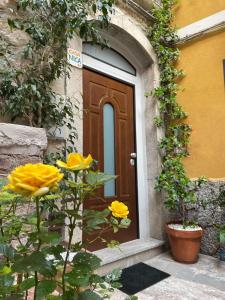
(172, 179)
(25, 88)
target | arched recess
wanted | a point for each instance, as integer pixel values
(128, 39)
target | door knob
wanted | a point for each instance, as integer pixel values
(133, 155)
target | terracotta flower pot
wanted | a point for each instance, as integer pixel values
(185, 245)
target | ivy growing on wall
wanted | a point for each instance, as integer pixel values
(25, 88)
(172, 179)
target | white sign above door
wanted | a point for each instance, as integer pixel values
(74, 58)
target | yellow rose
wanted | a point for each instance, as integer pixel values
(34, 179)
(76, 162)
(119, 209)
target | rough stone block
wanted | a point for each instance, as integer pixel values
(208, 213)
(20, 145)
(22, 140)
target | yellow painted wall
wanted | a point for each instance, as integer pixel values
(204, 99)
(189, 11)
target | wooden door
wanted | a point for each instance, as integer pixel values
(107, 100)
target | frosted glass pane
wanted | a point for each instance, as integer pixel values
(109, 56)
(109, 148)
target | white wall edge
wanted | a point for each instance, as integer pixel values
(202, 25)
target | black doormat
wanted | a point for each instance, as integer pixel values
(139, 277)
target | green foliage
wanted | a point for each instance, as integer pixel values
(25, 88)
(174, 145)
(222, 235)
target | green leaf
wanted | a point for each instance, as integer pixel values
(131, 298)
(13, 23)
(16, 296)
(88, 259)
(98, 178)
(95, 222)
(8, 251)
(50, 237)
(6, 281)
(94, 7)
(89, 295)
(116, 285)
(50, 197)
(73, 213)
(74, 279)
(45, 288)
(34, 262)
(96, 279)
(113, 244)
(54, 250)
(125, 223)
(4, 270)
(115, 275)
(70, 295)
(52, 297)
(222, 235)
(27, 284)
(7, 198)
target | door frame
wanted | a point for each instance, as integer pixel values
(140, 132)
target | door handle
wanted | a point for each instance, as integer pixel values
(132, 162)
(133, 155)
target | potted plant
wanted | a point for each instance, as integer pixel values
(184, 234)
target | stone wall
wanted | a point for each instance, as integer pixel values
(20, 145)
(208, 213)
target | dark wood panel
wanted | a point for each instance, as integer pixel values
(99, 90)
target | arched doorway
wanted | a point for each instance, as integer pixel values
(130, 42)
(109, 132)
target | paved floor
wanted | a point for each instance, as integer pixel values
(204, 280)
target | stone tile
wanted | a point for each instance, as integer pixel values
(178, 289)
(118, 295)
(208, 270)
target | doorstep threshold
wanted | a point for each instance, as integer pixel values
(125, 250)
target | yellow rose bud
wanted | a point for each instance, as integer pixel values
(76, 162)
(34, 179)
(119, 209)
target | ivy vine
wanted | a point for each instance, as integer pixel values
(25, 88)
(179, 189)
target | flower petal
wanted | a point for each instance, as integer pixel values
(61, 164)
(42, 191)
(26, 187)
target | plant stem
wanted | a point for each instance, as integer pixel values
(39, 243)
(72, 227)
(67, 256)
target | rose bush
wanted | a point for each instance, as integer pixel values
(32, 254)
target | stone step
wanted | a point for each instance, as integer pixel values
(128, 254)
